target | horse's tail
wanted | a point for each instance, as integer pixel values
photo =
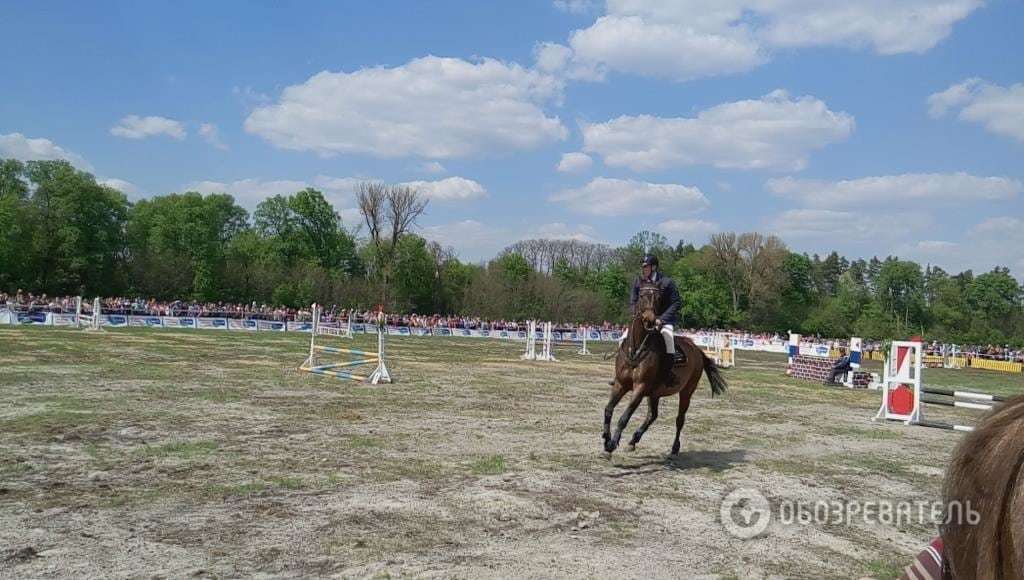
(718, 384)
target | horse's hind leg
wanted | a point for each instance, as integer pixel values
(652, 414)
(684, 406)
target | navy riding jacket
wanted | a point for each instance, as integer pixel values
(669, 296)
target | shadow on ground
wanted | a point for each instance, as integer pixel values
(716, 461)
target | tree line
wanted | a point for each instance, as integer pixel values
(62, 233)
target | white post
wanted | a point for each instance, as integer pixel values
(78, 312)
(546, 354)
(311, 359)
(531, 341)
(380, 374)
(584, 350)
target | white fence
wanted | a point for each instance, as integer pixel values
(8, 317)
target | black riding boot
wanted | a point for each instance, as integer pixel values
(679, 358)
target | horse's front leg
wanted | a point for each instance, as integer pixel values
(634, 402)
(617, 393)
(652, 414)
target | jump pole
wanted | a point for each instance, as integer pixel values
(312, 363)
(902, 388)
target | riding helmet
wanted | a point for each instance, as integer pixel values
(650, 260)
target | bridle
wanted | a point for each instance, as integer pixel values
(647, 300)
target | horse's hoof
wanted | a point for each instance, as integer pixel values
(631, 448)
(607, 455)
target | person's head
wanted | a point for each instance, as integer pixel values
(649, 265)
(985, 476)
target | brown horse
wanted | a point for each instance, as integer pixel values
(639, 371)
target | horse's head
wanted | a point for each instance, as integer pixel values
(647, 304)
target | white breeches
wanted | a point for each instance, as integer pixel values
(667, 333)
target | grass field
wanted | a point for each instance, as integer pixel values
(204, 453)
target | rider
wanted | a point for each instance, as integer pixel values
(668, 319)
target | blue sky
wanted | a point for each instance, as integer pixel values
(872, 127)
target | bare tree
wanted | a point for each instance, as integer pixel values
(389, 212)
(543, 254)
(727, 258)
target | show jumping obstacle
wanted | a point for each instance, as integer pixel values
(583, 349)
(904, 396)
(531, 342)
(818, 368)
(312, 363)
(721, 351)
(88, 321)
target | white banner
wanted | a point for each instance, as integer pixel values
(213, 323)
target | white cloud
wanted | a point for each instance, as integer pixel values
(687, 229)
(613, 197)
(574, 162)
(686, 39)
(22, 148)
(248, 192)
(339, 186)
(437, 108)
(250, 97)
(563, 231)
(911, 189)
(475, 240)
(449, 189)
(576, 6)
(838, 228)
(351, 217)
(999, 109)
(211, 134)
(136, 127)
(999, 227)
(993, 242)
(431, 167)
(773, 132)
(125, 187)
(634, 44)
(471, 239)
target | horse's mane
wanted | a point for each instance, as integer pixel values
(986, 476)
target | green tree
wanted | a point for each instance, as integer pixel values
(76, 230)
(900, 293)
(178, 243)
(415, 274)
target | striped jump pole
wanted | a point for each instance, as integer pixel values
(313, 365)
(904, 396)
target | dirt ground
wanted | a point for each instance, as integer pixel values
(163, 453)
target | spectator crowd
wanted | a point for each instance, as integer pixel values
(24, 302)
